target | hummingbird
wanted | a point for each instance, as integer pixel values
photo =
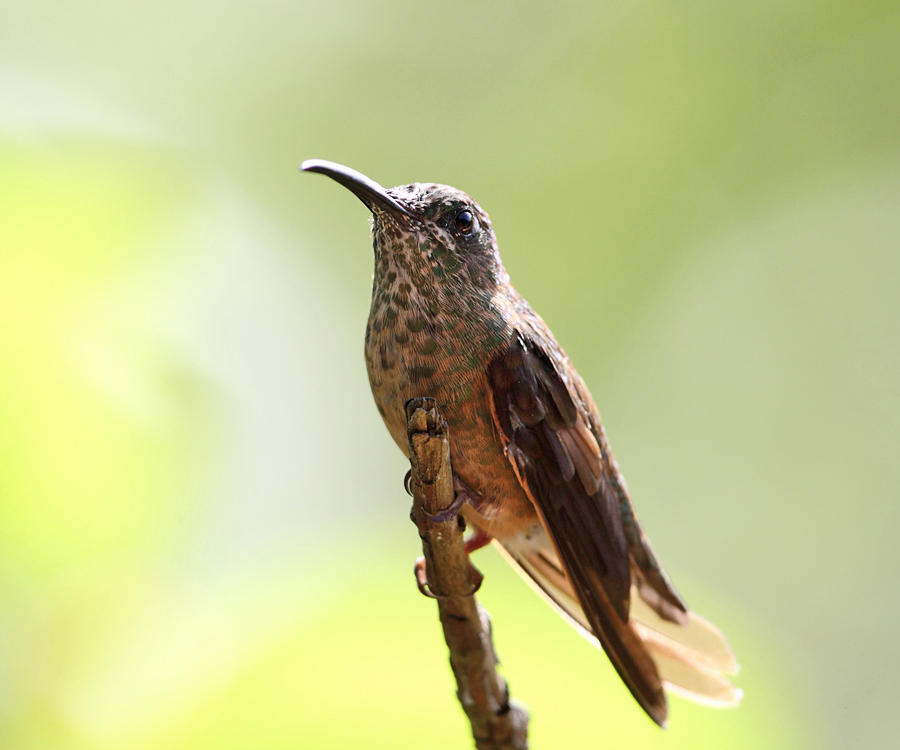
(532, 467)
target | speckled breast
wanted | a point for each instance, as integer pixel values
(414, 356)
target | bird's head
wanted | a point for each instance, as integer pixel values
(435, 234)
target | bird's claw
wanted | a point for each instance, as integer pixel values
(463, 495)
(478, 540)
(422, 578)
(475, 579)
(449, 512)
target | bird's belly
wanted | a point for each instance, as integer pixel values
(501, 508)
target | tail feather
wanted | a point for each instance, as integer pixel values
(699, 640)
(692, 659)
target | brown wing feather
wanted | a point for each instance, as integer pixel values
(652, 582)
(548, 436)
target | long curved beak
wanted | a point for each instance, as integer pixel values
(367, 190)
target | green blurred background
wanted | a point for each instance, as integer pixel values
(700, 198)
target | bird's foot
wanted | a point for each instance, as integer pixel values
(424, 586)
(464, 496)
(478, 540)
(448, 513)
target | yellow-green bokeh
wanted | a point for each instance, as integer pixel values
(700, 199)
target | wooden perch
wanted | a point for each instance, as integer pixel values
(497, 722)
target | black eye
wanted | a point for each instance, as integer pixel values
(464, 222)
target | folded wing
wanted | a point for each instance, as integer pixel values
(596, 566)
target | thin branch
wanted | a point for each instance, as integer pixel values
(497, 722)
